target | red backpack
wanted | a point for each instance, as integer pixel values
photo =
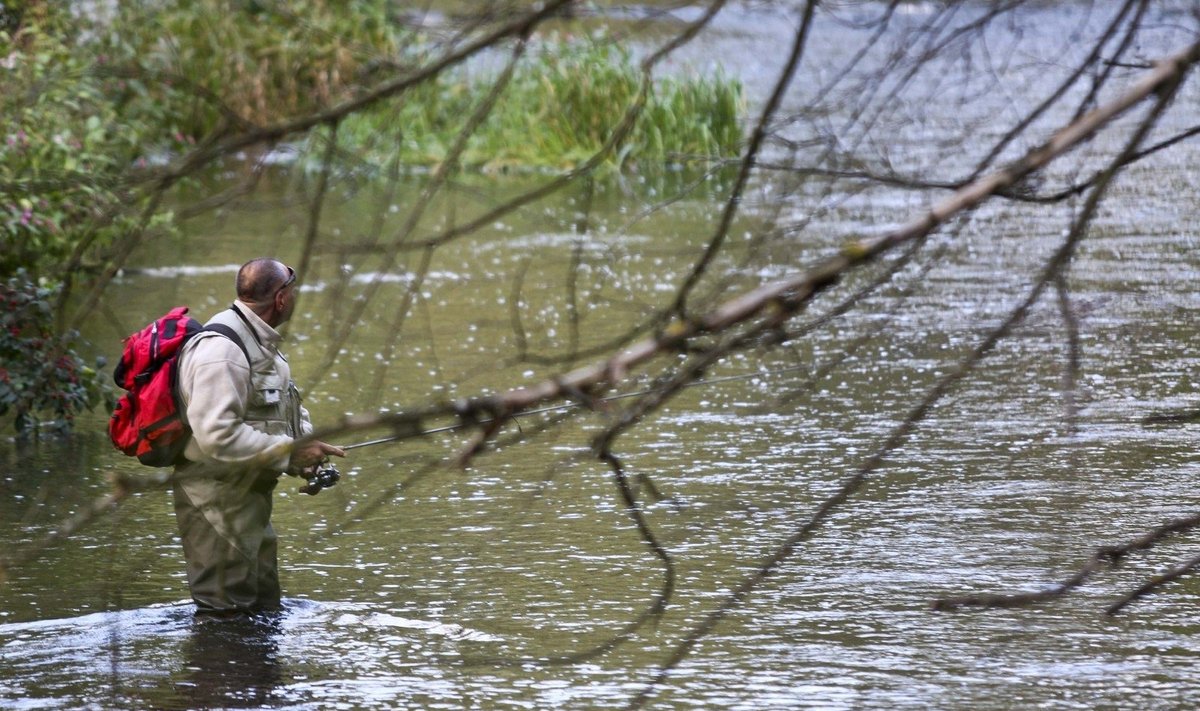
(146, 422)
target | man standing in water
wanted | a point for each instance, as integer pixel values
(244, 417)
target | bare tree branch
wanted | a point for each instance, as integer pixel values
(757, 136)
(1050, 272)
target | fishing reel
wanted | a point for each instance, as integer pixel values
(323, 477)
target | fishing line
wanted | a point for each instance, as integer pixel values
(569, 405)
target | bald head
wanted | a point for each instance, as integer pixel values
(266, 286)
(259, 279)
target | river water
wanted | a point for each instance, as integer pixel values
(417, 584)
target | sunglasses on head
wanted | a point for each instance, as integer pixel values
(290, 280)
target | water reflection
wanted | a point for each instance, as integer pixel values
(166, 657)
(231, 661)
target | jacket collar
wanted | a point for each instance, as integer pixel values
(266, 335)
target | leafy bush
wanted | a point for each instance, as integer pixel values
(261, 61)
(40, 373)
(63, 150)
(91, 100)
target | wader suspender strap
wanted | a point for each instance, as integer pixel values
(293, 415)
(233, 336)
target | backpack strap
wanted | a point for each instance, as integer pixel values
(232, 335)
(220, 329)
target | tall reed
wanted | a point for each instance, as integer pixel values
(559, 109)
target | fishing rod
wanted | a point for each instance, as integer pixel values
(564, 406)
(326, 474)
(1156, 418)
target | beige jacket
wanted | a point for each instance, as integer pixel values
(237, 415)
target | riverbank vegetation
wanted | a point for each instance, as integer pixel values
(40, 373)
(105, 112)
(558, 111)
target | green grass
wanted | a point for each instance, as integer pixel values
(560, 108)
